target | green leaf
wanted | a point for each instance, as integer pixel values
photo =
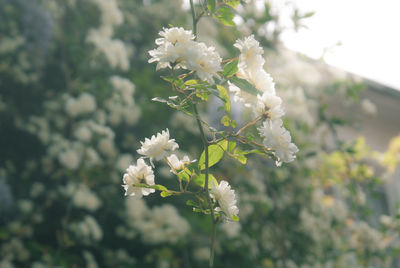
(230, 68)
(225, 97)
(225, 16)
(250, 137)
(183, 175)
(191, 82)
(201, 179)
(215, 154)
(156, 187)
(339, 121)
(235, 218)
(244, 85)
(175, 81)
(192, 203)
(197, 210)
(232, 3)
(225, 120)
(231, 146)
(239, 155)
(211, 4)
(203, 96)
(165, 194)
(308, 14)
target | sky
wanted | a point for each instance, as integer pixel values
(368, 32)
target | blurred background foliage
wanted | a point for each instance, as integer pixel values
(75, 100)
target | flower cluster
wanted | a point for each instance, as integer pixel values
(268, 104)
(157, 148)
(138, 174)
(225, 196)
(178, 49)
(278, 138)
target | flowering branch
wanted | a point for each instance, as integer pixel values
(201, 77)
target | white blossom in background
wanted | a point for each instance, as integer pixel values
(121, 106)
(83, 133)
(226, 198)
(368, 107)
(278, 138)
(92, 158)
(164, 224)
(90, 260)
(141, 173)
(115, 51)
(85, 198)
(156, 225)
(231, 229)
(176, 164)
(88, 229)
(70, 159)
(177, 48)
(124, 161)
(110, 13)
(37, 189)
(158, 147)
(297, 106)
(201, 254)
(124, 87)
(84, 104)
(107, 147)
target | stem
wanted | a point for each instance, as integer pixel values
(194, 19)
(249, 125)
(214, 222)
(212, 244)
(205, 144)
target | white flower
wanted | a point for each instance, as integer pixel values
(176, 164)
(241, 96)
(141, 173)
(269, 104)
(171, 47)
(261, 80)
(226, 199)
(167, 54)
(250, 66)
(204, 60)
(158, 146)
(174, 35)
(178, 48)
(250, 54)
(279, 139)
